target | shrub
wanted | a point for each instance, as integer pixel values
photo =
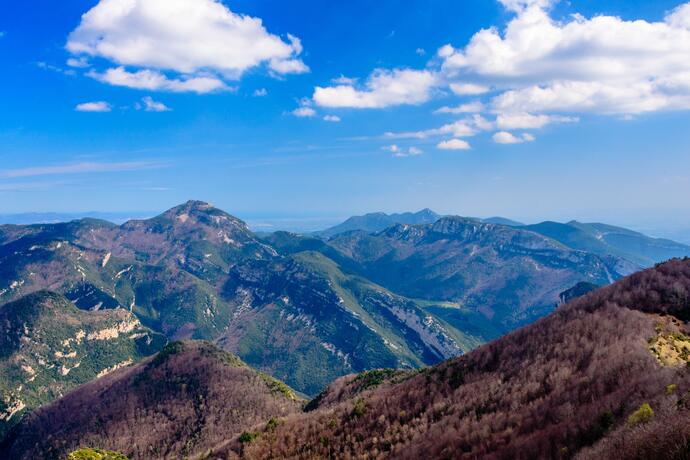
(359, 408)
(247, 437)
(641, 415)
(272, 424)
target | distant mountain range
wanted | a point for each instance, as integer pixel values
(378, 221)
(605, 376)
(304, 309)
(28, 218)
(600, 239)
(606, 239)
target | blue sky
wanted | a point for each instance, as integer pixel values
(575, 111)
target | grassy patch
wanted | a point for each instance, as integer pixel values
(670, 348)
(95, 454)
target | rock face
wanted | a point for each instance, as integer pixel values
(48, 347)
(177, 404)
(605, 376)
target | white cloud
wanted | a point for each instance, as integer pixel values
(470, 107)
(680, 17)
(80, 168)
(195, 39)
(468, 89)
(54, 68)
(99, 106)
(383, 88)
(529, 121)
(153, 106)
(401, 152)
(261, 92)
(304, 112)
(454, 144)
(81, 62)
(602, 64)
(522, 5)
(155, 81)
(420, 51)
(332, 118)
(461, 128)
(343, 80)
(593, 97)
(504, 137)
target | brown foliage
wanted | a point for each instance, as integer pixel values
(549, 390)
(188, 397)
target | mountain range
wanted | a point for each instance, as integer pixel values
(597, 238)
(377, 221)
(604, 376)
(304, 309)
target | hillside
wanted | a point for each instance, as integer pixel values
(605, 376)
(510, 276)
(303, 309)
(48, 347)
(605, 239)
(195, 272)
(303, 320)
(178, 403)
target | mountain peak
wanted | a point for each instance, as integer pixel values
(194, 211)
(190, 206)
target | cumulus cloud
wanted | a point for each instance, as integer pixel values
(401, 152)
(522, 5)
(99, 106)
(332, 118)
(81, 62)
(384, 88)
(602, 64)
(468, 89)
(156, 81)
(504, 137)
(454, 144)
(304, 112)
(529, 121)
(469, 107)
(467, 127)
(261, 92)
(343, 80)
(150, 105)
(201, 41)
